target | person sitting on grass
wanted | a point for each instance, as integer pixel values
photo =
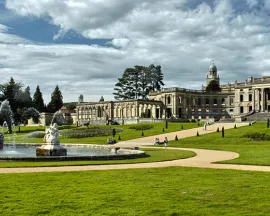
(157, 141)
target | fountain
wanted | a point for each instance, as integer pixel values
(51, 144)
(52, 150)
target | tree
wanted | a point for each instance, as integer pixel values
(137, 82)
(56, 100)
(157, 77)
(101, 99)
(38, 100)
(213, 86)
(222, 132)
(70, 106)
(268, 122)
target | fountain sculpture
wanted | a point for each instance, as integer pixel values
(51, 143)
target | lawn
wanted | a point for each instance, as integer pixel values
(170, 191)
(155, 155)
(251, 152)
(127, 133)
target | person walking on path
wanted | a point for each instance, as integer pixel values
(166, 142)
(204, 126)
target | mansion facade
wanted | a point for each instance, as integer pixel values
(179, 104)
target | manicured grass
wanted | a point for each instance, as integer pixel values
(251, 152)
(170, 191)
(155, 155)
(127, 134)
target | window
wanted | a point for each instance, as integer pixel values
(223, 101)
(199, 102)
(207, 101)
(250, 108)
(241, 98)
(215, 101)
(241, 109)
(250, 97)
(169, 100)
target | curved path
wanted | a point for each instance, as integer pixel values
(203, 159)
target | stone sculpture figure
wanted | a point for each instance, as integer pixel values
(51, 143)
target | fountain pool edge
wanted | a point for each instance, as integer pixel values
(122, 154)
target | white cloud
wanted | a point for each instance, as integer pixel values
(183, 36)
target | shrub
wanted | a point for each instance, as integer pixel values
(119, 138)
(257, 136)
(166, 124)
(142, 133)
(182, 127)
(176, 138)
(268, 123)
(36, 134)
(222, 132)
(198, 133)
(113, 132)
(249, 124)
(192, 120)
(88, 133)
(218, 129)
(163, 130)
(235, 126)
(198, 124)
(141, 127)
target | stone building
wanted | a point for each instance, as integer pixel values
(179, 104)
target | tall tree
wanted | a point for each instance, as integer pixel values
(137, 82)
(157, 77)
(213, 86)
(101, 99)
(56, 100)
(38, 100)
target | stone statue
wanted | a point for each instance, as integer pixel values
(51, 143)
(51, 135)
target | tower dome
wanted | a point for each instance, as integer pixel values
(213, 68)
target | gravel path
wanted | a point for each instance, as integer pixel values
(204, 158)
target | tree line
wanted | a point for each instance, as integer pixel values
(23, 105)
(137, 82)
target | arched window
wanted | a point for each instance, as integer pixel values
(241, 98)
(215, 101)
(207, 101)
(169, 100)
(223, 101)
(250, 97)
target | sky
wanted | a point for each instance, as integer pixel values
(83, 46)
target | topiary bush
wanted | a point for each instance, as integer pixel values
(218, 129)
(142, 133)
(141, 127)
(176, 137)
(198, 133)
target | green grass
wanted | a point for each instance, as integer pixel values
(170, 191)
(251, 152)
(127, 134)
(155, 155)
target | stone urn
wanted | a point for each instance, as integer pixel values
(51, 143)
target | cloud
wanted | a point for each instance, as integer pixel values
(183, 36)
(7, 38)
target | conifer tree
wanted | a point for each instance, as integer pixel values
(56, 100)
(38, 100)
(101, 99)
